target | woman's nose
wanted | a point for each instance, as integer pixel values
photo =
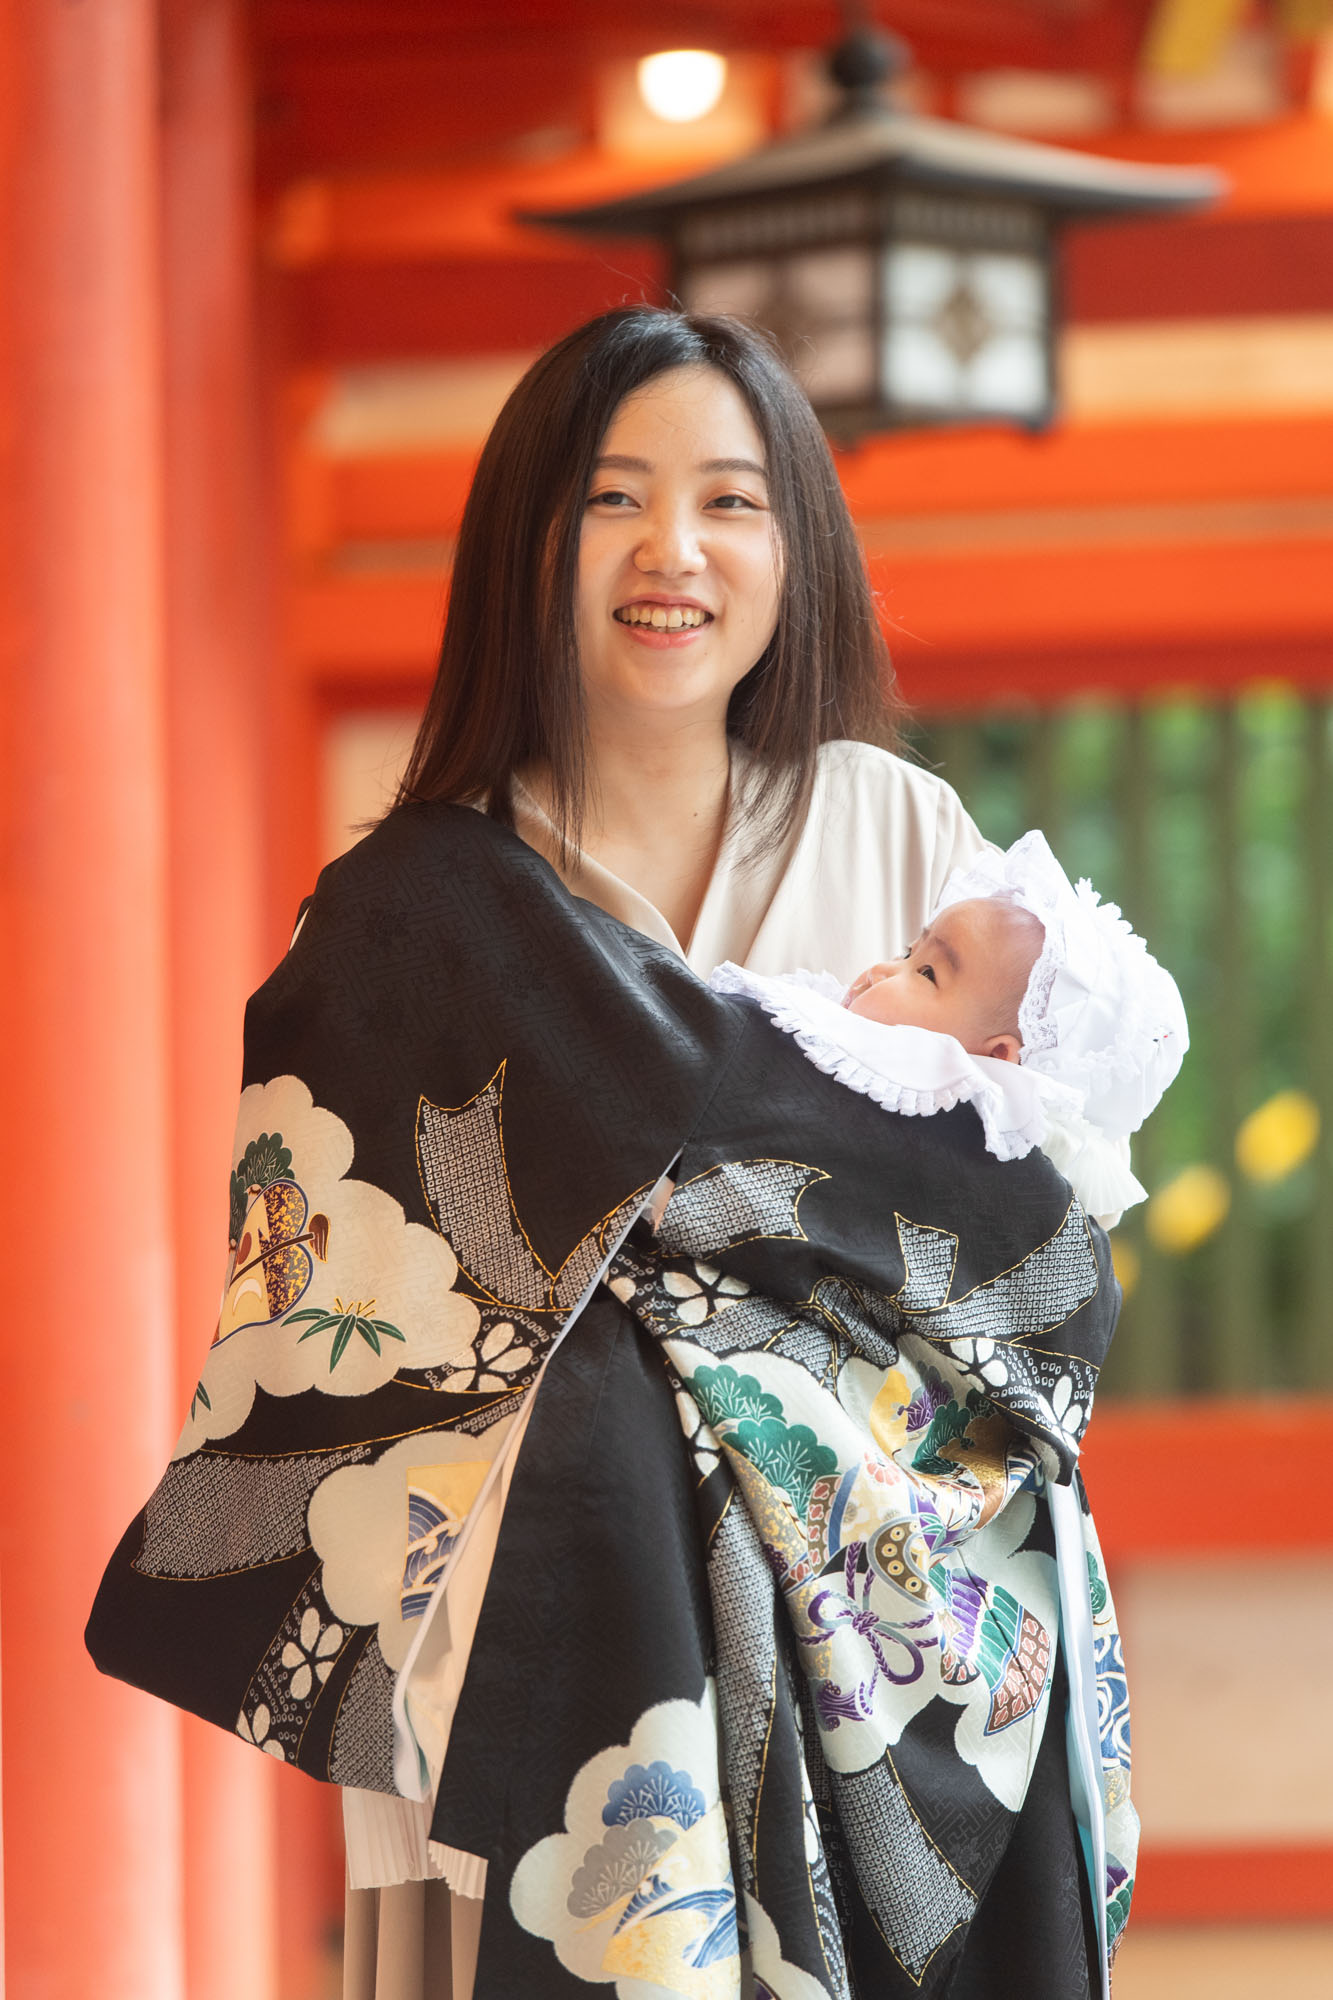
(669, 546)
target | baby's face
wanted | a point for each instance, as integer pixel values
(964, 976)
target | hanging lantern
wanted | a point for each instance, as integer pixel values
(906, 265)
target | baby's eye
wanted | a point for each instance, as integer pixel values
(928, 972)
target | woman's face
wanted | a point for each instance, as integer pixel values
(679, 563)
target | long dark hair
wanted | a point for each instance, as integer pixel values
(508, 692)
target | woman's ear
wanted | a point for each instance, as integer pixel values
(1003, 1048)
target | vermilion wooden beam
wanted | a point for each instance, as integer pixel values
(370, 98)
(1236, 1885)
(1123, 600)
(420, 495)
(1156, 1472)
(1203, 268)
(1157, 593)
(450, 214)
(394, 498)
(393, 311)
(367, 628)
(309, 45)
(1089, 465)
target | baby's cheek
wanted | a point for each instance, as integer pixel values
(876, 1003)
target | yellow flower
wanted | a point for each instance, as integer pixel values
(1279, 1137)
(1185, 1212)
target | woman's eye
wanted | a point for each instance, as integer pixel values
(612, 498)
(928, 972)
(734, 502)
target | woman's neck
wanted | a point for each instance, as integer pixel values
(655, 817)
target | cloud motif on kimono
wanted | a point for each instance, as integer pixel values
(357, 1293)
(774, 1977)
(361, 1518)
(637, 1892)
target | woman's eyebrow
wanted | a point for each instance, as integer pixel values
(617, 461)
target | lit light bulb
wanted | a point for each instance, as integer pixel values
(681, 85)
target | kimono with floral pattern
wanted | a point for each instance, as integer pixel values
(766, 1696)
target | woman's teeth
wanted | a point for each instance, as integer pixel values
(660, 617)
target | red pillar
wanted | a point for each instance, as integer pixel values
(87, 1365)
(309, 1816)
(215, 692)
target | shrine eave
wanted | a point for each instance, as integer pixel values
(896, 149)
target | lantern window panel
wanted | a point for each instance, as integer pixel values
(966, 331)
(919, 370)
(834, 286)
(837, 365)
(918, 278)
(1011, 289)
(1010, 376)
(744, 287)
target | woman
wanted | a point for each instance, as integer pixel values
(662, 666)
(678, 770)
(461, 1087)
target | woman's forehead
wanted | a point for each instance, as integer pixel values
(694, 409)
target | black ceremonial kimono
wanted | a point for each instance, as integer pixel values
(761, 1696)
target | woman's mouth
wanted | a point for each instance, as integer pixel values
(663, 617)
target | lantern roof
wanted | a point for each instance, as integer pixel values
(881, 146)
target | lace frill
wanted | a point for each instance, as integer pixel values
(917, 1073)
(910, 1070)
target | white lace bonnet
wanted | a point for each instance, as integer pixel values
(1099, 1015)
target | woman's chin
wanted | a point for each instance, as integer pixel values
(665, 686)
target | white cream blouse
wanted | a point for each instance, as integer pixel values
(856, 884)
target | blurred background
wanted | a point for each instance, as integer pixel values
(264, 289)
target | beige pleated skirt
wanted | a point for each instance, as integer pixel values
(415, 1941)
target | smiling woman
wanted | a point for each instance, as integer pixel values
(731, 505)
(662, 668)
(603, 1394)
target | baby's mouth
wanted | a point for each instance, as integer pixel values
(663, 617)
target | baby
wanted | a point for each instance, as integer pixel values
(965, 976)
(1026, 997)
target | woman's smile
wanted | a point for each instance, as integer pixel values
(663, 621)
(678, 554)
